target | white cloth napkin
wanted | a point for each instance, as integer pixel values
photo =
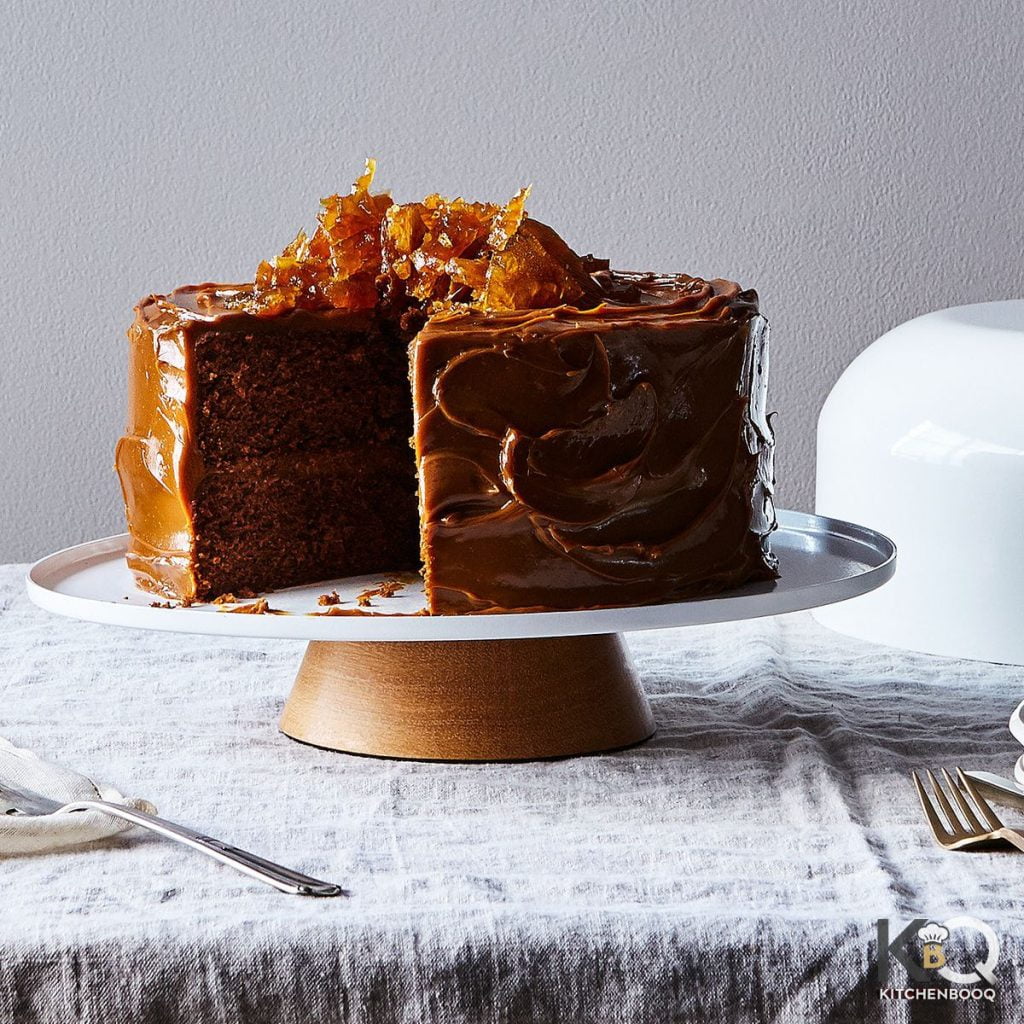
(22, 834)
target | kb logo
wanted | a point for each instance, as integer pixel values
(935, 956)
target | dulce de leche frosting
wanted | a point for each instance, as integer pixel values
(583, 437)
(580, 458)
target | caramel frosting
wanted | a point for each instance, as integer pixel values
(591, 458)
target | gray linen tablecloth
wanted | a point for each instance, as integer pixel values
(732, 869)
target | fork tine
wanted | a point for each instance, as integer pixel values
(955, 825)
(964, 805)
(938, 829)
(981, 803)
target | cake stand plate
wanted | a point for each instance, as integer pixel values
(395, 682)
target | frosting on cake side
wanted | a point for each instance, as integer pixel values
(591, 458)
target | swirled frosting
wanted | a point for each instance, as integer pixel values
(591, 458)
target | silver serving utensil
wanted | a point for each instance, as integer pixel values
(997, 788)
(20, 801)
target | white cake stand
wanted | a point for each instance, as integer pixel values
(395, 683)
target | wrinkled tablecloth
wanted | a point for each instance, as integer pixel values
(731, 869)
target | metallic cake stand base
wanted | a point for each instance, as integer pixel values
(468, 687)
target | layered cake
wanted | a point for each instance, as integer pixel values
(581, 437)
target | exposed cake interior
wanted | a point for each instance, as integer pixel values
(269, 431)
(303, 433)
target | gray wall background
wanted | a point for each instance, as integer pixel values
(858, 163)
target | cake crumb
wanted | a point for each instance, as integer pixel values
(226, 599)
(386, 588)
(326, 600)
(161, 604)
(258, 607)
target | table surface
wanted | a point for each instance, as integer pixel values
(731, 868)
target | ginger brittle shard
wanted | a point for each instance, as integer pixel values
(338, 265)
(438, 251)
(537, 270)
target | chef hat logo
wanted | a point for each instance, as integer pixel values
(933, 933)
(933, 936)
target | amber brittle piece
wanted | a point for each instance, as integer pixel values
(537, 270)
(335, 267)
(439, 250)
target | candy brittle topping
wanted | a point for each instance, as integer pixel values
(440, 249)
(335, 267)
(438, 254)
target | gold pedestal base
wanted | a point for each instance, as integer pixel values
(472, 700)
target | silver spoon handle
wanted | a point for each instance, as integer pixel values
(241, 860)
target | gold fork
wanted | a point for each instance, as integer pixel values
(966, 829)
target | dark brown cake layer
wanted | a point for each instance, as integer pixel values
(574, 459)
(281, 521)
(310, 386)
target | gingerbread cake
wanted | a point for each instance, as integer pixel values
(581, 437)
